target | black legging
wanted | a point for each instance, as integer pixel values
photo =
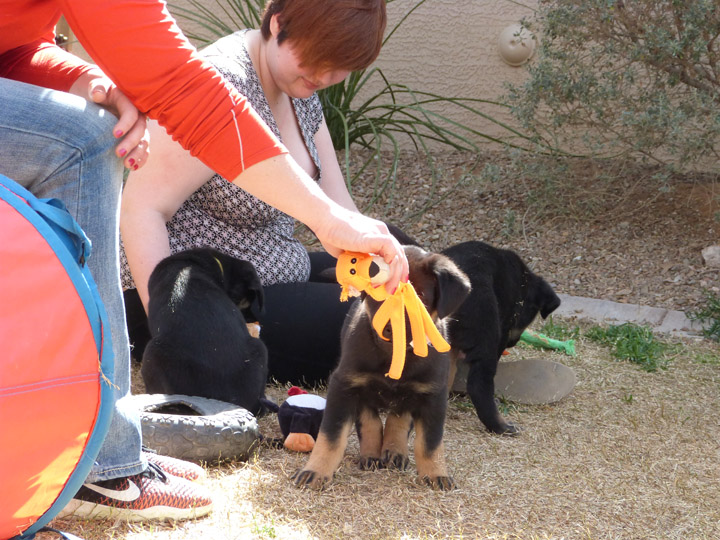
(300, 324)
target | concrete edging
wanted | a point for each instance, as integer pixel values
(660, 319)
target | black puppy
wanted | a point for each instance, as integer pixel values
(200, 303)
(358, 389)
(505, 298)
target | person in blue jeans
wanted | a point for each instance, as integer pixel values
(58, 145)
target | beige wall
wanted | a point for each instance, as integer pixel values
(449, 47)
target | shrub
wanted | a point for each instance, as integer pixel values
(709, 314)
(626, 77)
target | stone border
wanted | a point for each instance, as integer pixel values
(604, 311)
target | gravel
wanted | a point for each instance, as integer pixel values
(624, 232)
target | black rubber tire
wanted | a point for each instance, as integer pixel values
(196, 428)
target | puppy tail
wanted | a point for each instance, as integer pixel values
(269, 405)
(270, 442)
(275, 443)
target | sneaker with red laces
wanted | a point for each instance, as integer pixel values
(150, 495)
(176, 467)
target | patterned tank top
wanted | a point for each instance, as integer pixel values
(224, 216)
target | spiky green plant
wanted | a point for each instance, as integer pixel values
(377, 121)
(633, 343)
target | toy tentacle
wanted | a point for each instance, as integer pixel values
(397, 364)
(383, 315)
(415, 310)
(436, 338)
(423, 327)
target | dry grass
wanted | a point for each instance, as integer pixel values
(629, 454)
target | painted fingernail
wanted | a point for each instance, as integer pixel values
(135, 167)
(119, 133)
(131, 161)
(122, 152)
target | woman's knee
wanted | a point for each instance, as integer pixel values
(55, 132)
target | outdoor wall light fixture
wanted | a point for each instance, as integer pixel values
(516, 44)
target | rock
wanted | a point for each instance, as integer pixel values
(711, 255)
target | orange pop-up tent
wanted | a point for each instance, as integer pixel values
(55, 361)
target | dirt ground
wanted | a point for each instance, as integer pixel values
(613, 231)
(627, 455)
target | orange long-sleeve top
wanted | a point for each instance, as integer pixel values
(140, 47)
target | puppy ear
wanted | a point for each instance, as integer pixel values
(327, 275)
(257, 304)
(546, 298)
(246, 290)
(453, 286)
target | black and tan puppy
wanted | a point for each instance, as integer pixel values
(358, 390)
(505, 298)
(200, 303)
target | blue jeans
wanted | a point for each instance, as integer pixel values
(59, 145)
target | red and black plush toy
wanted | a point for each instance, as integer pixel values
(299, 418)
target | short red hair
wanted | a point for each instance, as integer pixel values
(333, 34)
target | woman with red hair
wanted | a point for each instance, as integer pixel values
(177, 203)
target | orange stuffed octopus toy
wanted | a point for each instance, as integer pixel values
(353, 274)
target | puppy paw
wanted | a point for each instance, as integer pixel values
(371, 464)
(309, 479)
(506, 429)
(393, 460)
(441, 483)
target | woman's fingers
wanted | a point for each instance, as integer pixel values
(366, 235)
(134, 147)
(131, 127)
(394, 255)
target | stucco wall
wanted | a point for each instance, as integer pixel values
(448, 47)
